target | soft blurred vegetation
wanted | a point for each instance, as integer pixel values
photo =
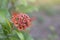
(45, 27)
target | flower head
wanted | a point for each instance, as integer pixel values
(21, 20)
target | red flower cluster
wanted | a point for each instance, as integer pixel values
(21, 20)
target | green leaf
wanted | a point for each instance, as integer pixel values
(4, 21)
(26, 36)
(20, 35)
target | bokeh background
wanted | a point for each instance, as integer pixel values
(46, 23)
(46, 26)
